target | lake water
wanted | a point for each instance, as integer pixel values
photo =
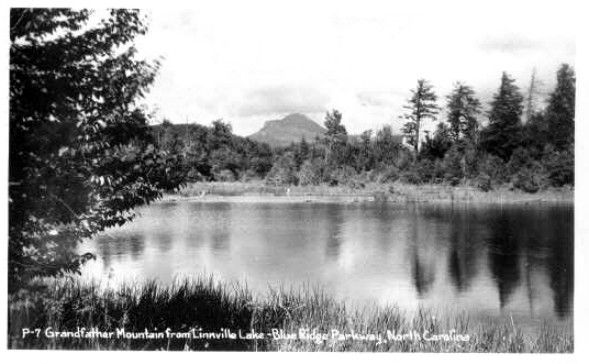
(485, 259)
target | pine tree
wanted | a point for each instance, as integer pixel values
(504, 132)
(560, 113)
(422, 106)
(463, 109)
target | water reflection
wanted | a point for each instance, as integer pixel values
(514, 260)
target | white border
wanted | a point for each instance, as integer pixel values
(578, 12)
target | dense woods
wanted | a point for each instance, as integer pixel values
(474, 145)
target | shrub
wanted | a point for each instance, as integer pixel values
(483, 182)
(560, 167)
(453, 165)
(411, 176)
(224, 175)
(387, 174)
(345, 175)
(527, 180)
(283, 172)
(494, 167)
(425, 169)
(310, 173)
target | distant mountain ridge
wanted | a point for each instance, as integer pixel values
(291, 128)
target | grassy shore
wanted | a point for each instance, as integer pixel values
(393, 192)
(209, 307)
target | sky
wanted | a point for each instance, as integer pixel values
(248, 62)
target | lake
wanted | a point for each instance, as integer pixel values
(489, 260)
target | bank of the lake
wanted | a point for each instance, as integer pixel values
(203, 314)
(396, 192)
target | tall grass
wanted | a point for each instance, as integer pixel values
(66, 305)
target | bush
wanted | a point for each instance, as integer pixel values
(387, 174)
(248, 176)
(453, 165)
(224, 175)
(310, 173)
(283, 172)
(560, 167)
(483, 182)
(527, 180)
(454, 181)
(425, 168)
(494, 167)
(411, 176)
(345, 175)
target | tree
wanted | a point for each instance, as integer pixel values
(221, 134)
(301, 152)
(333, 124)
(81, 153)
(422, 106)
(386, 146)
(504, 132)
(560, 112)
(532, 98)
(463, 109)
(365, 157)
(336, 138)
(436, 147)
(283, 172)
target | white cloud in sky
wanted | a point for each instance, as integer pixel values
(247, 62)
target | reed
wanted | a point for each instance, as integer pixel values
(202, 303)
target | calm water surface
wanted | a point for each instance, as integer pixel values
(487, 260)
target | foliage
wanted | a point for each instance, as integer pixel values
(422, 105)
(436, 147)
(462, 111)
(283, 171)
(210, 150)
(81, 155)
(459, 150)
(560, 166)
(560, 113)
(504, 133)
(483, 182)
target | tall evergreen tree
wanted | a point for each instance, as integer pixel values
(504, 132)
(560, 113)
(463, 108)
(422, 106)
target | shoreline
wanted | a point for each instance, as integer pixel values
(257, 192)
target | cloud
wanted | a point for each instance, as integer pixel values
(510, 44)
(282, 100)
(380, 98)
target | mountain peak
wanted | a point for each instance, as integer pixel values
(289, 129)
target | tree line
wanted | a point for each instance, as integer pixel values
(527, 152)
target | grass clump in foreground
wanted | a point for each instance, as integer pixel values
(207, 306)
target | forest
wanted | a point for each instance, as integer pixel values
(516, 142)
